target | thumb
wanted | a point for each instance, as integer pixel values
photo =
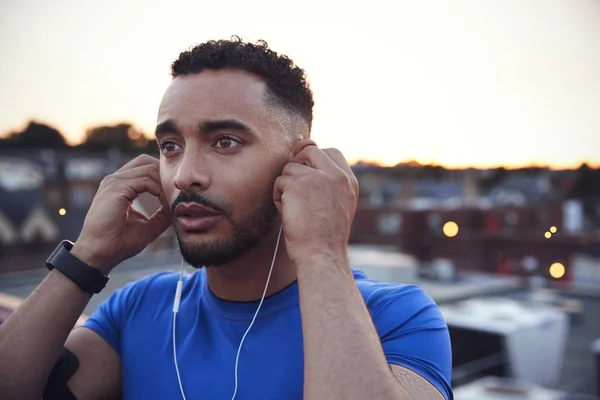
(158, 223)
(160, 220)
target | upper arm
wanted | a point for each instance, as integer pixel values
(97, 345)
(99, 373)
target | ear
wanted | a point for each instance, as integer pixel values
(306, 132)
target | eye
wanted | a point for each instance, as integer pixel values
(168, 146)
(227, 142)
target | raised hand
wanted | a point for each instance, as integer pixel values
(113, 231)
(317, 195)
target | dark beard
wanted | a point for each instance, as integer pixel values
(246, 235)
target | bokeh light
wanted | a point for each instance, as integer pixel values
(557, 270)
(450, 229)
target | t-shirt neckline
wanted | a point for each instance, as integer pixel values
(285, 298)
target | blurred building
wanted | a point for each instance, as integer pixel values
(27, 226)
(522, 241)
(44, 198)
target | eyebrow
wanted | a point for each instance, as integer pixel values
(224, 124)
(167, 126)
(206, 127)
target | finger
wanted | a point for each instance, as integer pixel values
(340, 160)
(135, 214)
(150, 170)
(300, 145)
(132, 188)
(140, 160)
(159, 222)
(280, 184)
(294, 168)
(316, 158)
(164, 202)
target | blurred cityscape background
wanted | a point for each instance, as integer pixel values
(497, 102)
(511, 256)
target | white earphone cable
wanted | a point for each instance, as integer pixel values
(255, 314)
(176, 310)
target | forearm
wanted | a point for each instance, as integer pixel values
(343, 357)
(33, 335)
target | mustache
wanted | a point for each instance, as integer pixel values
(193, 197)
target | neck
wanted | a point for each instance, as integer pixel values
(244, 279)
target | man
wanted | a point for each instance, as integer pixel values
(236, 166)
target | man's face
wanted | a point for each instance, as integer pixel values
(222, 147)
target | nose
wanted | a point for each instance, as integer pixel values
(192, 173)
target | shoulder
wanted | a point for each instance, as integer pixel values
(153, 289)
(395, 300)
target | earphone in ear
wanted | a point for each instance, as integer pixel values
(177, 301)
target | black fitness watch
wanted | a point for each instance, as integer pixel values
(89, 279)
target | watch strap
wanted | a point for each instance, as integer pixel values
(89, 279)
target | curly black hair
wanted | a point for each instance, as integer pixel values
(286, 82)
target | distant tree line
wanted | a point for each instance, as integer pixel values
(122, 136)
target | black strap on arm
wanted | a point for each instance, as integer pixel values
(65, 367)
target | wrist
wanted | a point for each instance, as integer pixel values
(78, 266)
(83, 254)
(315, 263)
(302, 252)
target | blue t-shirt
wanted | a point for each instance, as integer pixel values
(137, 321)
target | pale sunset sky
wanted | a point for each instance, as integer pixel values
(457, 82)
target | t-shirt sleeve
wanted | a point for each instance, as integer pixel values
(109, 318)
(413, 333)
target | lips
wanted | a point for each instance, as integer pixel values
(194, 217)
